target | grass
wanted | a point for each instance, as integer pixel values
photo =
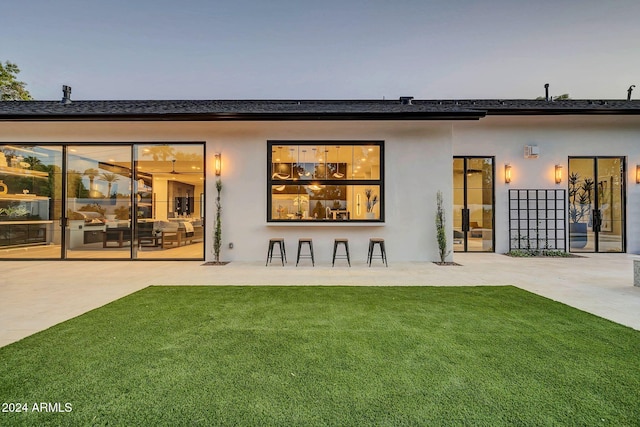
(288, 356)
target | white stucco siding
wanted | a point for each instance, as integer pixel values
(417, 165)
(557, 138)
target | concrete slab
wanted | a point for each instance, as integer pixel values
(35, 295)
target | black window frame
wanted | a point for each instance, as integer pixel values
(271, 181)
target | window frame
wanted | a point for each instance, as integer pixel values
(379, 183)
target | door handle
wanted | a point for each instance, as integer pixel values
(465, 219)
(596, 219)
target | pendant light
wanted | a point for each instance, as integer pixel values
(277, 175)
(302, 171)
(337, 173)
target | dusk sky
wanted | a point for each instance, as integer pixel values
(281, 49)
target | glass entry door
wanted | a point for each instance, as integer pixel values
(473, 204)
(596, 204)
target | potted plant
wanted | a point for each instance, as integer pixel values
(580, 192)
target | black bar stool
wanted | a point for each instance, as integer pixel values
(344, 242)
(383, 253)
(309, 242)
(283, 250)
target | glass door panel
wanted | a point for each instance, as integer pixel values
(581, 203)
(98, 204)
(610, 191)
(30, 201)
(473, 204)
(596, 204)
(169, 198)
(458, 204)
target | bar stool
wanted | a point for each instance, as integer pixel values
(283, 250)
(383, 253)
(309, 242)
(345, 243)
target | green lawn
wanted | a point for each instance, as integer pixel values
(340, 356)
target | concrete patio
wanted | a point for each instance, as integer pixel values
(35, 295)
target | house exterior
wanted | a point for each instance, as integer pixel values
(136, 179)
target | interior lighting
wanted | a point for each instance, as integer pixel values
(637, 174)
(507, 173)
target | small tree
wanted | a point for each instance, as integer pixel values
(12, 89)
(217, 234)
(440, 228)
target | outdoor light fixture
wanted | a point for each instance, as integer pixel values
(558, 174)
(218, 164)
(507, 173)
(637, 174)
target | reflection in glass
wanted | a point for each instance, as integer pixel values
(30, 201)
(98, 205)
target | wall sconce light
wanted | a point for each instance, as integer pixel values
(507, 173)
(637, 174)
(558, 174)
(218, 164)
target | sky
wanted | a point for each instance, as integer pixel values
(310, 49)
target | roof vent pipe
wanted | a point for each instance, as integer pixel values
(629, 92)
(546, 92)
(406, 100)
(66, 94)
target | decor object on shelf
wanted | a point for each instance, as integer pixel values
(3, 188)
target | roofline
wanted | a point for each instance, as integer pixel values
(304, 110)
(199, 117)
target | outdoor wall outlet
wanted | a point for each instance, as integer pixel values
(231, 245)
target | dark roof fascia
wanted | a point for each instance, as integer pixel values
(561, 112)
(355, 116)
(523, 107)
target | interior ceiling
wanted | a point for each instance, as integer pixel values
(190, 172)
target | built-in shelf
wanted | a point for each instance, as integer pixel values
(8, 170)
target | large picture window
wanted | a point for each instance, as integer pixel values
(325, 181)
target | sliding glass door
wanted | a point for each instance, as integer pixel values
(473, 204)
(98, 201)
(596, 204)
(30, 201)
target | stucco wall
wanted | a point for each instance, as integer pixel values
(557, 138)
(417, 165)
